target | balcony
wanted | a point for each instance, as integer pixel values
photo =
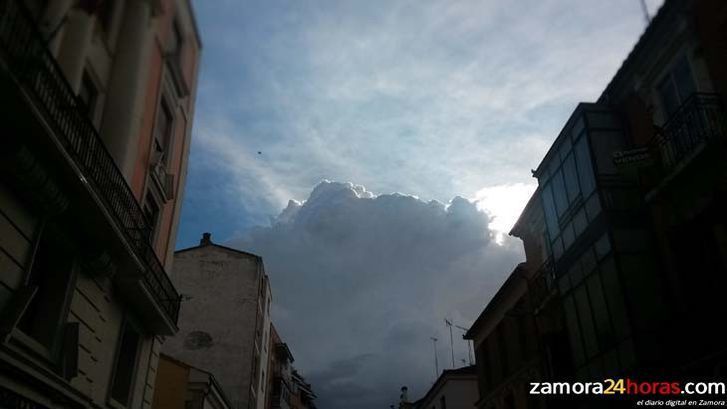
(698, 122)
(280, 397)
(32, 69)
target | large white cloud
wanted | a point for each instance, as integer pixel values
(362, 281)
(436, 97)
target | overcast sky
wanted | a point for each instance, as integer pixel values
(427, 117)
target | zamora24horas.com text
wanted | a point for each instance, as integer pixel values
(629, 387)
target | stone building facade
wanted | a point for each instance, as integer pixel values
(224, 322)
(98, 99)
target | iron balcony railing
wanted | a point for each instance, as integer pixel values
(700, 119)
(36, 71)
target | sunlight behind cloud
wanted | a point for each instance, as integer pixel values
(504, 203)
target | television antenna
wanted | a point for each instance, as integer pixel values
(436, 361)
(470, 347)
(451, 338)
(645, 10)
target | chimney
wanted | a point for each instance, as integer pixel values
(206, 239)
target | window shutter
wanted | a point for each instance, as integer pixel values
(69, 357)
(15, 309)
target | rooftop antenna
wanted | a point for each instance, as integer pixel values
(645, 9)
(436, 361)
(451, 338)
(470, 347)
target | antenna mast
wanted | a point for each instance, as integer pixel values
(645, 9)
(436, 361)
(470, 346)
(451, 338)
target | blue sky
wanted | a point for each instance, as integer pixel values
(430, 98)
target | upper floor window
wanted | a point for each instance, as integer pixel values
(164, 131)
(677, 86)
(88, 94)
(567, 184)
(176, 39)
(151, 213)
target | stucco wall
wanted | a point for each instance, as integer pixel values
(92, 304)
(220, 291)
(458, 394)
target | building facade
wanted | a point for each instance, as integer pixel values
(224, 321)
(454, 389)
(505, 342)
(280, 373)
(671, 94)
(91, 180)
(629, 261)
(301, 393)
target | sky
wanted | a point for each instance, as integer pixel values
(376, 153)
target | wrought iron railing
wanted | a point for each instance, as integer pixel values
(699, 120)
(36, 71)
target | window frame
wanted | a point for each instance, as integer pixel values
(166, 146)
(50, 354)
(669, 76)
(126, 322)
(570, 153)
(154, 233)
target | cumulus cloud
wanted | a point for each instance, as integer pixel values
(362, 281)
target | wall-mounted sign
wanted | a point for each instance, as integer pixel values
(633, 158)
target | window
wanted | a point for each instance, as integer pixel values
(151, 214)
(88, 94)
(614, 297)
(561, 200)
(176, 39)
(126, 362)
(574, 332)
(443, 402)
(600, 312)
(585, 167)
(567, 184)
(586, 319)
(677, 86)
(551, 217)
(571, 178)
(163, 131)
(50, 281)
